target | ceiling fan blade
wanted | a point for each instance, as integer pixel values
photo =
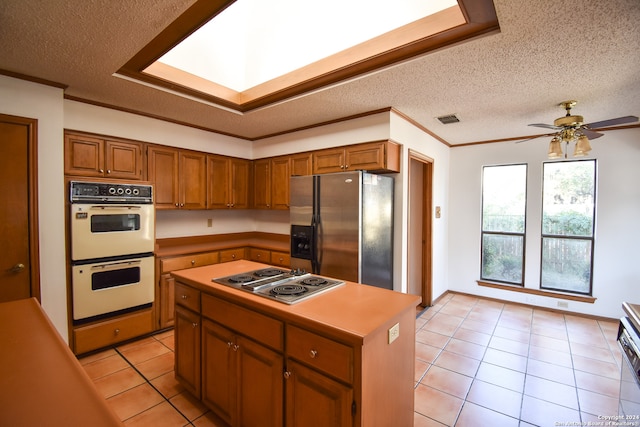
(530, 138)
(613, 122)
(542, 125)
(591, 134)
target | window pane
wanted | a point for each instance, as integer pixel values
(568, 198)
(502, 257)
(503, 198)
(566, 264)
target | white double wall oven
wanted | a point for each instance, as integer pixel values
(112, 242)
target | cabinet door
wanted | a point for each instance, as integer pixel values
(329, 160)
(280, 175)
(313, 399)
(163, 173)
(123, 160)
(260, 385)
(365, 157)
(218, 182)
(167, 301)
(193, 180)
(240, 172)
(261, 184)
(187, 349)
(301, 164)
(219, 386)
(83, 156)
(259, 255)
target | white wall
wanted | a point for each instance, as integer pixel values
(419, 141)
(44, 103)
(616, 273)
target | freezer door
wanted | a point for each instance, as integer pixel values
(338, 236)
(301, 216)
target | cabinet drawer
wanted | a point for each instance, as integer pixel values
(188, 261)
(280, 258)
(231, 254)
(112, 331)
(259, 255)
(263, 329)
(320, 353)
(188, 297)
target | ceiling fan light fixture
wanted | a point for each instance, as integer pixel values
(555, 149)
(582, 147)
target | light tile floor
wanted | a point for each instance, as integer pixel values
(479, 362)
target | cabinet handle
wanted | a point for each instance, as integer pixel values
(236, 347)
(184, 297)
(232, 205)
(233, 256)
(177, 205)
(193, 262)
(116, 331)
(108, 170)
(313, 354)
(287, 375)
(194, 324)
(182, 205)
(101, 170)
(229, 344)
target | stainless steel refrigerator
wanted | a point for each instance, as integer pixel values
(342, 226)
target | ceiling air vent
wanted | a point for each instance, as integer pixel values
(449, 118)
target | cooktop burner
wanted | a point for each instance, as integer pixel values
(288, 286)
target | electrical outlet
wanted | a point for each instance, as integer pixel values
(210, 222)
(563, 304)
(394, 332)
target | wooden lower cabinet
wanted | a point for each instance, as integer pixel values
(241, 379)
(187, 349)
(314, 399)
(112, 331)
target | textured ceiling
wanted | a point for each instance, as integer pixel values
(547, 51)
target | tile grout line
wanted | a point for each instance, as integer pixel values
(189, 423)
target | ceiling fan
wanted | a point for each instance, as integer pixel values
(572, 128)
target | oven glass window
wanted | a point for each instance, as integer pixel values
(108, 223)
(113, 278)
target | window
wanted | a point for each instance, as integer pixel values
(504, 190)
(568, 207)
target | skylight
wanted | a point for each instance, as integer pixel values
(254, 41)
(243, 55)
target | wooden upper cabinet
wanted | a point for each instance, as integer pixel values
(162, 168)
(280, 175)
(383, 156)
(240, 173)
(301, 164)
(192, 173)
(90, 156)
(178, 177)
(271, 183)
(262, 184)
(329, 160)
(227, 182)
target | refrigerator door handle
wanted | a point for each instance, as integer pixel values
(316, 254)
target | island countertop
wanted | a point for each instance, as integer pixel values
(43, 383)
(354, 309)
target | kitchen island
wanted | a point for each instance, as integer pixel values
(43, 384)
(341, 358)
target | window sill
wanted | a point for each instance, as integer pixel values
(580, 298)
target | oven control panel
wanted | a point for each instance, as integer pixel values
(109, 192)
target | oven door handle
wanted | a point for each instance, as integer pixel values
(115, 265)
(115, 208)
